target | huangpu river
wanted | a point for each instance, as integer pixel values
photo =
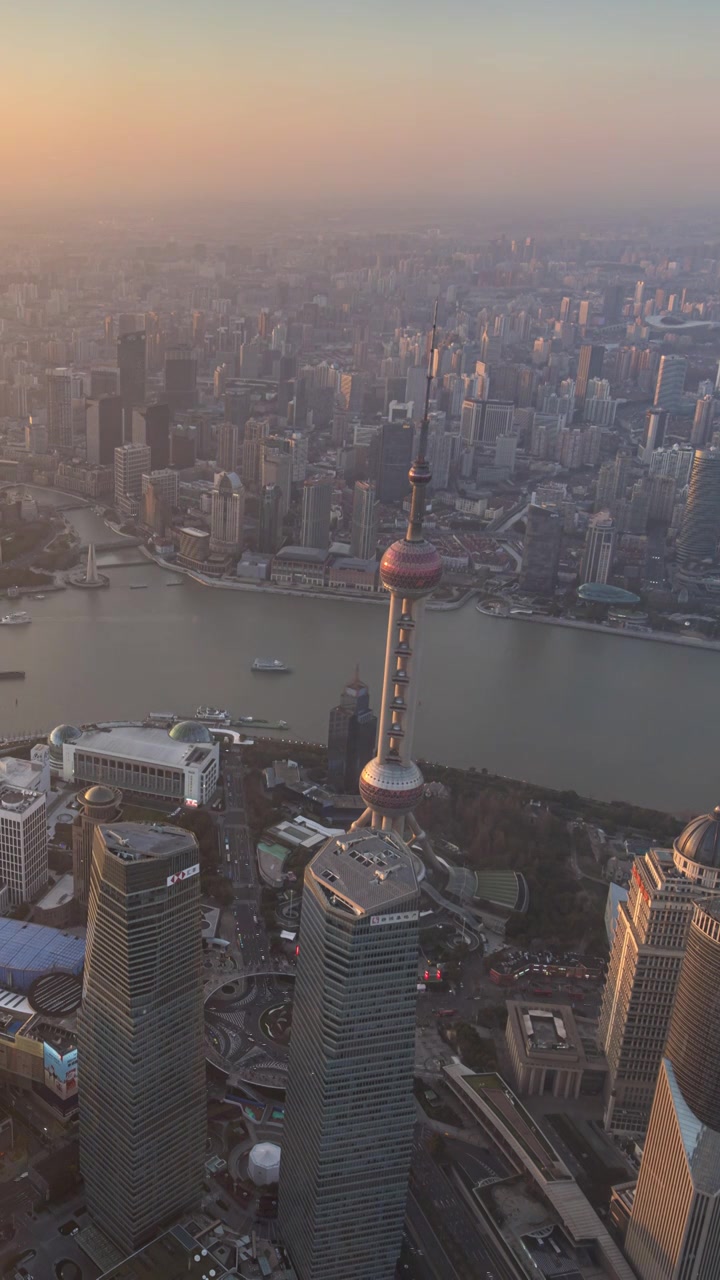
(607, 716)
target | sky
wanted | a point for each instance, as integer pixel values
(554, 102)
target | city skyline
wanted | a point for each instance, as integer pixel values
(311, 72)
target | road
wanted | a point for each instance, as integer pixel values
(431, 1191)
(251, 944)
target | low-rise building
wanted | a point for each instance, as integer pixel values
(271, 860)
(299, 567)
(28, 775)
(346, 573)
(549, 1054)
(179, 764)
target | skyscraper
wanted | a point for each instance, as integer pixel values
(59, 408)
(348, 1133)
(277, 467)
(703, 421)
(364, 534)
(590, 365)
(256, 429)
(351, 736)
(131, 363)
(541, 550)
(700, 528)
(674, 1228)
(393, 459)
(270, 525)
(599, 548)
(180, 378)
(23, 842)
(104, 430)
(670, 382)
(228, 451)
(227, 514)
(656, 421)
(140, 1032)
(151, 426)
(130, 461)
(316, 507)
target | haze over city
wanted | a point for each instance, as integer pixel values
(580, 107)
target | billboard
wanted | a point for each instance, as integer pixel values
(60, 1071)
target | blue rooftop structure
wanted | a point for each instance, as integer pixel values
(603, 593)
(29, 950)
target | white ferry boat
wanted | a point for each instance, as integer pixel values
(15, 620)
(214, 715)
(269, 665)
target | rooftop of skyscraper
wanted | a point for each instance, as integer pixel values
(135, 840)
(366, 868)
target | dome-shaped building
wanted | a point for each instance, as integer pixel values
(696, 851)
(190, 731)
(98, 803)
(264, 1163)
(56, 739)
(413, 569)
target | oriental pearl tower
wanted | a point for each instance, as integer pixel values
(391, 784)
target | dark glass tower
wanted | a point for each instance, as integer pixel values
(181, 378)
(140, 1032)
(394, 456)
(541, 551)
(351, 736)
(348, 1133)
(131, 363)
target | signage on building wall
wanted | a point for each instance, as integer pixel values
(400, 917)
(184, 875)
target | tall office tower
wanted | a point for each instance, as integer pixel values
(103, 382)
(23, 842)
(277, 467)
(97, 804)
(364, 534)
(227, 514)
(130, 461)
(415, 389)
(584, 313)
(59, 408)
(391, 784)
(140, 1032)
(673, 462)
(674, 1228)
(700, 528)
(104, 430)
(316, 507)
(183, 447)
(497, 420)
(351, 736)
(590, 365)
(160, 492)
(662, 499)
(347, 1139)
(541, 551)
(613, 299)
(228, 450)
(395, 444)
(131, 363)
(565, 308)
(180, 378)
(612, 481)
(298, 444)
(270, 524)
(151, 426)
(656, 421)
(599, 548)
(256, 429)
(703, 422)
(670, 382)
(471, 421)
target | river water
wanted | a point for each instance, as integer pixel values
(606, 716)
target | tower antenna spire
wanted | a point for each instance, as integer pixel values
(420, 474)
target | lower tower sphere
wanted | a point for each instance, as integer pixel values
(391, 787)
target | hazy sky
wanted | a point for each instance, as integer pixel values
(537, 100)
